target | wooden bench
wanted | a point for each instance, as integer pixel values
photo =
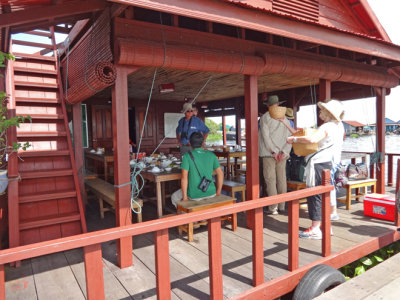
(357, 184)
(232, 187)
(190, 206)
(293, 185)
(105, 192)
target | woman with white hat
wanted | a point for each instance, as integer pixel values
(329, 137)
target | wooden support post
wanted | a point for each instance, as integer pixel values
(324, 95)
(390, 170)
(13, 190)
(258, 247)
(2, 283)
(121, 162)
(224, 131)
(397, 220)
(380, 138)
(94, 272)
(326, 215)
(238, 130)
(254, 219)
(78, 145)
(293, 243)
(163, 279)
(251, 114)
(215, 258)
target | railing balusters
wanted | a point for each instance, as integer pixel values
(215, 258)
(326, 215)
(293, 243)
(258, 246)
(2, 283)
(390, 170)
(161, 247)
(94, 272)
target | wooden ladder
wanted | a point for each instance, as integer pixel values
(48, 202)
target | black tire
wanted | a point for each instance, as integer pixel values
(317, 280)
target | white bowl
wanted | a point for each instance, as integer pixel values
(155, 170)
(168, 169)
(166, 163)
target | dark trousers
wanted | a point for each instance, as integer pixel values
(315, 202)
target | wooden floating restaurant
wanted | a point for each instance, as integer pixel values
(122, 75)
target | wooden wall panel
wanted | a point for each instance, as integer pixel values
(336, 14)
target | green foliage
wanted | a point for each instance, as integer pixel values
(212, 126)
(363, 264)
(5, 121)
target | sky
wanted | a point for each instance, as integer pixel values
(363, 111)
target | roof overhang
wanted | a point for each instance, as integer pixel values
(216, 11)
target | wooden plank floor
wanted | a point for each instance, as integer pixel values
(62, 275)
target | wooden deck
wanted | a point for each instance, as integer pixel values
(62, 275)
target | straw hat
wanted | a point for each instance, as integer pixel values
(334, 107)
(271, 100)
(186, 106)
(289, 113)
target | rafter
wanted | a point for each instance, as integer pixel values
(44, 13)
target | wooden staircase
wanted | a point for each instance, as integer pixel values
(49, 200)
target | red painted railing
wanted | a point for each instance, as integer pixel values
(91, 242)
(372, 167)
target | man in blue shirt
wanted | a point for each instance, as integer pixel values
(188, 125)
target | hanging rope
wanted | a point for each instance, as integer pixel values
(191, 103)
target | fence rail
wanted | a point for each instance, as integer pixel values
(91, 242)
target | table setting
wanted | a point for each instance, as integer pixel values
(157, 163)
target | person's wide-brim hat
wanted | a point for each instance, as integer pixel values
(289, 113)
(334, 107)
(271, 100)
(186, 107)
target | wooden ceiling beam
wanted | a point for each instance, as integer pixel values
(43, 13)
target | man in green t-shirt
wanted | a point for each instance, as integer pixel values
(207, 165)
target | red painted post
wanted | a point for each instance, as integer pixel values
(397, 221)
(380, 137)
(251, 115)
(163, 279)
(326, 215)
(2, 283)
(372, 171)
(120, 122)
(238, 130)
(78, 145)
(224, 131)
(94, 272)
(324, 95)
(390, 170)
(13, 190)
(293, 243)
(215, 258)
(258, 247)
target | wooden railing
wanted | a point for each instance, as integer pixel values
(372, 167)
(91, 242)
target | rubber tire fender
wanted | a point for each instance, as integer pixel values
(316, 281)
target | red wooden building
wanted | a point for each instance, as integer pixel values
(304, 51)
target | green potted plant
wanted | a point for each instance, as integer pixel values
(5, 123)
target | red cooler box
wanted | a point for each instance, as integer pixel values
(380, 206)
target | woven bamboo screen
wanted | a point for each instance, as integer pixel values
(87, 68)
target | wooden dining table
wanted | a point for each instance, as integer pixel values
(105, 158)
(228, 155)
(159, 179)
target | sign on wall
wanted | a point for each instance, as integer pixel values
(170, 123)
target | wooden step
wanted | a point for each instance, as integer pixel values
(33, 56)
(42, 153)
(43, 116)
(34, 70)
(45, 174)
(32, 44)
(41, 134)
(47, 196)
(36, 84)
(49, 220)
(36, 100)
